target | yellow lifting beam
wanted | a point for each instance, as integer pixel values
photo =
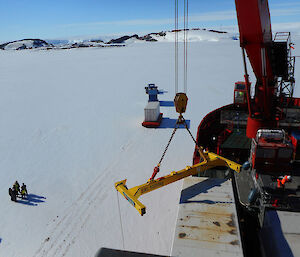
(208, 160)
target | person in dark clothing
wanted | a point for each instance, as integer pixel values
(23, 191)
(10, 194)
(14, 194)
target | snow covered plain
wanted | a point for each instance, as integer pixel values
(70, 126)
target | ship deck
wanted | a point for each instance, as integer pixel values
(207, 222)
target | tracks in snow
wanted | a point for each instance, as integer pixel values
(67, 229)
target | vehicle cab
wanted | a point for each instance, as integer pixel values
(271, 152)
(240, 93)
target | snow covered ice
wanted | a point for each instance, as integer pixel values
(70, 126)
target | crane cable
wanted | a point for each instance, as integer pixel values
(176, 47)
(185, 45)
(186, 18)
(180, 120)
(121, 224)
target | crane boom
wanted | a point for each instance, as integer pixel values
(256, 40)
(256, 34)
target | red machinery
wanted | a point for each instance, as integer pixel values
(262, 126)
(271, 152)
(269, 60)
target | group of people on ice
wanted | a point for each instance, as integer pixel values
(16, 190)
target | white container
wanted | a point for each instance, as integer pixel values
(152, 111)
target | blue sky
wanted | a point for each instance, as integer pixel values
(70, 18)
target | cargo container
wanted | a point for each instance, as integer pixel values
(153, 116)
(152, 111)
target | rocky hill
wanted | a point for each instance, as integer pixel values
(25, 44)
(195, 34)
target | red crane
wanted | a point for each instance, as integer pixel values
(262, 125)
(264, 55)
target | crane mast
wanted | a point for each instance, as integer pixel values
(256, 39)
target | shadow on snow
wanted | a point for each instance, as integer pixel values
(166, 103)
(32, 200)
(170, 123)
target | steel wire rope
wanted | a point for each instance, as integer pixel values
(122, 232)
(186, 18)
(176, 68)
(176, 47)
(184, 42)
(185, 45)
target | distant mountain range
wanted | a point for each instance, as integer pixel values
(25, 44)
(164, 36)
